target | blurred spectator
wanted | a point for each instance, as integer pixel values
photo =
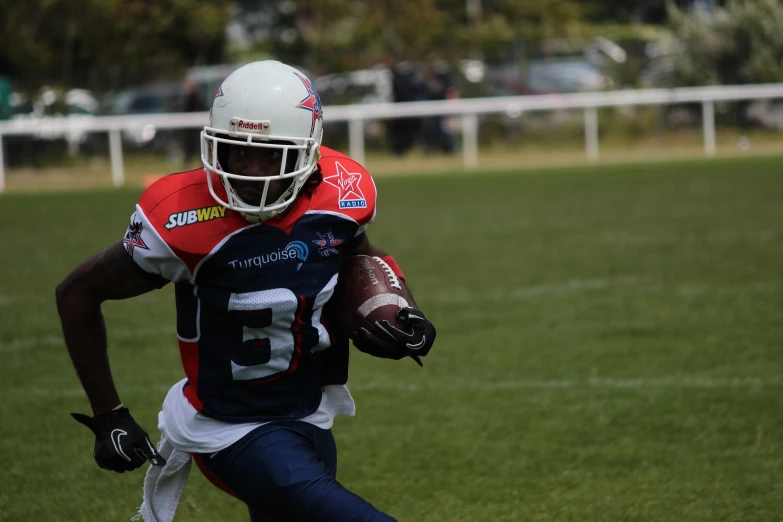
(406, 87)
(439, 86)
(5, 98)
(193, 103)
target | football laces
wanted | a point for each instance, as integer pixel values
(394, 281)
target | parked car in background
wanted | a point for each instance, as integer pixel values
(79, 106)
(361, 86)
(157, 98)
(209, 77)
(561, 75)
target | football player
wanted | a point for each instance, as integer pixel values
(253, 244)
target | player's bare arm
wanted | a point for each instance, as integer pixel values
(365, 248)
(108, 275)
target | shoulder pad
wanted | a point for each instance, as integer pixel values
(347, 188)
(186, 217)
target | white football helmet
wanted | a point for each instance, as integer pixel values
(269, 105)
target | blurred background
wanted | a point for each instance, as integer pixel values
(74, 61)
(586, 197)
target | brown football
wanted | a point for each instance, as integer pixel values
(367, 291)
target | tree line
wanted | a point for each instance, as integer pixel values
(105, 44)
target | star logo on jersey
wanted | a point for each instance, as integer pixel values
(311, 102)
(351, 195)
(327, 243)
(133, 237)
(219, 91)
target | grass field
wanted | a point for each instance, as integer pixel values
(610, 348)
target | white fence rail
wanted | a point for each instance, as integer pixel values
(468, 109)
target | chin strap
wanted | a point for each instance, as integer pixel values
(257, 217)
(389, 260)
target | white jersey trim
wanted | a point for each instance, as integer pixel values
(321, 299)
(332, 213)
(190, 431)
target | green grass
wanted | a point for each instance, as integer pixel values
(609, 349)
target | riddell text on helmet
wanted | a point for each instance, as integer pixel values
(251, 125)
(257, 126)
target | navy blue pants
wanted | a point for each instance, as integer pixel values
(286, 472)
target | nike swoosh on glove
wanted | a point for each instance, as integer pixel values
(120, 443)
(390, 342)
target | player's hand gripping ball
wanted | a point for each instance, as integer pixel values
(372, 307)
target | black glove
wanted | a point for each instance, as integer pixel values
(120, 444)
(393, 343)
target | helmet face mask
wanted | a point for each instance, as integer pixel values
(259, 163)
(262, 142)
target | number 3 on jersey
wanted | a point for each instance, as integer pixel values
(270, 336)
(273, 334)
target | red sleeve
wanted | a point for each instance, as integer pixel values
(182, 224)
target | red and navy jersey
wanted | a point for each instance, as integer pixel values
(250, 296)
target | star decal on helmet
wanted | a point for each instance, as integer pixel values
(311, 102)
(350, 194)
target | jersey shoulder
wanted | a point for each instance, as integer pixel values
(347, 188)
(165, 188)
(183, 213)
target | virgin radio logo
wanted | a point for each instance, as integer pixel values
(350, 193)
